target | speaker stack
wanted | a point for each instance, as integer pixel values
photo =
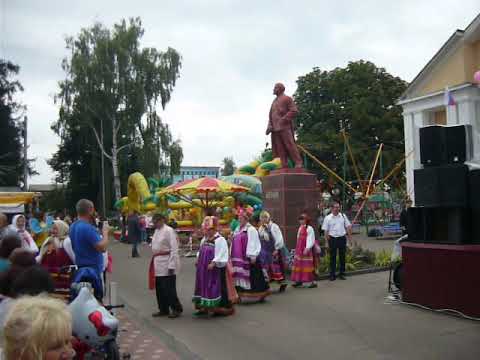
(447, 194)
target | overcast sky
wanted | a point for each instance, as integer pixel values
(233, 52)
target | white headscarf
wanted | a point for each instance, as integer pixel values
(14, 225)
(27, 240)
(60, 241)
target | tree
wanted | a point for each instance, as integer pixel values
(11, 127)
(359, 99)
(228, 166)
(111, 91)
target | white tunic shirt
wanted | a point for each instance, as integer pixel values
(276, 234)
(253, 245)
(164, 240)
(336, 226)
(221, 250)
(310, 237)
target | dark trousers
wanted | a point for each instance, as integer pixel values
(337, 244)
(135, 242)
(166, 290)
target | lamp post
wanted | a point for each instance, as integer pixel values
(25, 154)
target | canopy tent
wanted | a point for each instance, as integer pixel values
(18, 198)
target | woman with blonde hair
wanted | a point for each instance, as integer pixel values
(38, 328)
(271, 239)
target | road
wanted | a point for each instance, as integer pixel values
(339, 320)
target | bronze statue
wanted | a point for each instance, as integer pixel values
(280, 124)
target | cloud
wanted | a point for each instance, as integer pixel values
(233, 52)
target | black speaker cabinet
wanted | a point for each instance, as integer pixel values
(458, 143)
(474, 190)
(439, 225)
(444, 186)
(440, 145)
(432, 145)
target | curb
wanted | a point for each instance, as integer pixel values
(175, 346)
(358, 272)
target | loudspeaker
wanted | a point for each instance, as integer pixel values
(440, 145)
(432, 145)
(439, 225)
(458, 143)
(475, 226)
(474, 190)
(444, 186)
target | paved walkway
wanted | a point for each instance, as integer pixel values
(138, 342)
(339, 320)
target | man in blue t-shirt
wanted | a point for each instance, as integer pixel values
(87, 243)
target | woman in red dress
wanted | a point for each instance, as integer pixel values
(303, 270)
(56, 255)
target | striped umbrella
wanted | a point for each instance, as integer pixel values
(203, 186)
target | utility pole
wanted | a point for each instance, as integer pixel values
(104, 212)
(25, 154)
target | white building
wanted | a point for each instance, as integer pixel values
(423, 102)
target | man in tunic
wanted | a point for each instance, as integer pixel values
(163, 268)
(280, 125)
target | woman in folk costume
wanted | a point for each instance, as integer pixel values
(164, 267)
(214, 291)
(271, 239)
(18, 224)
(248, 275)
(56, 254)
(303, 269)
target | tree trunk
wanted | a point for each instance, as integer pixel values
(116, 174)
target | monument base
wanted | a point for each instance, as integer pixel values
(286, 194)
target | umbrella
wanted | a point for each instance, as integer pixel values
(203, 186)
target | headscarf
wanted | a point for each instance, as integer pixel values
(27, 240)
(14, 222)
(63, 228)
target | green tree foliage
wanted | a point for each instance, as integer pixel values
(359, 98)
(108, 104)
(228, 166)
(11, 127)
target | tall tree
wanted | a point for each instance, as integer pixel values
(11, 127)
(228, 166)
(111, 91)
(359, 99)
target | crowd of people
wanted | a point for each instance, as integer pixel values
(238, 268)
(34, 320)
(242, 267)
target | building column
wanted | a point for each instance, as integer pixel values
(468, 115)
(412, 122)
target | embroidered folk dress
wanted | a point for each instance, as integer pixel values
(247, 267)
(273, 262)
(303, 262)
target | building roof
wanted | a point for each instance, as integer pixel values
(200, 167)
(45, 187)
(470, 34)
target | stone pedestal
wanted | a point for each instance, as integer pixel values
(286, 194)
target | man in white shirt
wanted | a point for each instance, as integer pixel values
(337, 229)
(164, 267)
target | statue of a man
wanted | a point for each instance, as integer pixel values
(280, 124)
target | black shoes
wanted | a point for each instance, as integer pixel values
(332, 278)
(342, 277)
(282, 288)
(160, 314)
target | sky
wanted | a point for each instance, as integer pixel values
(233, 53)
